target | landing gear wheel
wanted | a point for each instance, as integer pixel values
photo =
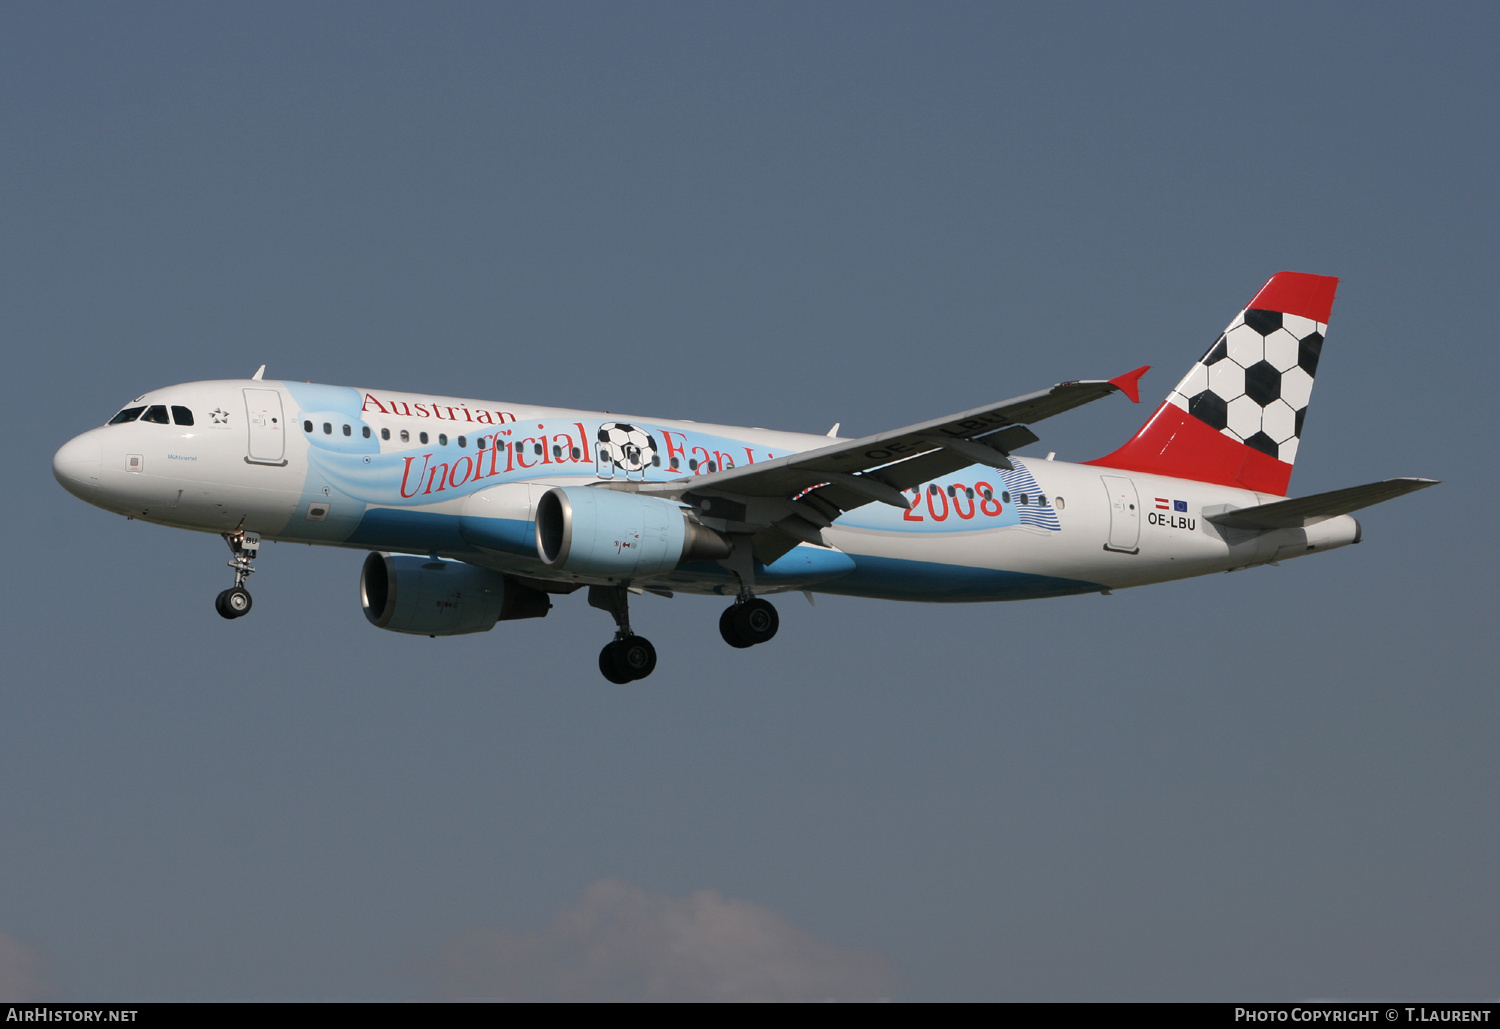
(628, 659)
(636, 655)
(729, 628)
(609, 667)
(745, 625)
(759, 620)
(233, 602)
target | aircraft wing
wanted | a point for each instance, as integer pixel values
(1303, 511)
(802, 493)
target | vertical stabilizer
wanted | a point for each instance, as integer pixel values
(1236, 418)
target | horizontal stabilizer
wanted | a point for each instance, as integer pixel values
(1303, 511)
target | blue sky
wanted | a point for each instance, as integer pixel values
(1276, 784)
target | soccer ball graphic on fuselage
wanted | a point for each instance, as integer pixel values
(476, 511)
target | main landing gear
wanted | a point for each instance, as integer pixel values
(628, 657)
(235, 601)
(748, 621)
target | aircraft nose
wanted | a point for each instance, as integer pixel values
(76, 464)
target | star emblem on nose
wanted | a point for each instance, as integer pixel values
(220, 416)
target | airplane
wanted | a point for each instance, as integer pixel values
(474, 512)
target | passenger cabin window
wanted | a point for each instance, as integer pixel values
(422, 436)
(479, 443)
(365, 431)
(307, 427)
(405, 436)
(181, 415)
(347, 430)
(442, 439)
(385, 433)
(327, 429)
(463, 441)
(130, 414)
(156, 413)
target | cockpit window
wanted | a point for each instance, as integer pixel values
(156, 413)
(130, 414)
(181, 415)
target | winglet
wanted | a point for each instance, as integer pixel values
(258, 373)
(1130, 383)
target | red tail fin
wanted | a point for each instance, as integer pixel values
(1236, 418)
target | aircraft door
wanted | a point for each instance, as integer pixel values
(267, 427)
(1124, 514)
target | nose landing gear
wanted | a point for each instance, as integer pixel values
(628, 657)
(235, 601)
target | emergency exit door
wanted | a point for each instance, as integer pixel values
(1124, 514)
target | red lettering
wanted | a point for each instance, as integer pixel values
(749, 456)
(960, 492)
(406, 471)
(932, 510)
(484, 416)
(371, 400)
(723, 460)
(438, 475)
(421, 410)
(451, 415)
(405, 408)
(986, 498)
(702, 461)
(907, 515)
(519, 448)
(675, 452)
(453, 479)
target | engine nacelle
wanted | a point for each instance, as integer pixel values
(442, 598)
(613, 534)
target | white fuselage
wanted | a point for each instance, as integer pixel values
(376, 470)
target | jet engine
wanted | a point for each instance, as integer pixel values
(442, 598)
(618, 535)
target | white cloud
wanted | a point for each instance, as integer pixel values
(620, 942)
(20, 971)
